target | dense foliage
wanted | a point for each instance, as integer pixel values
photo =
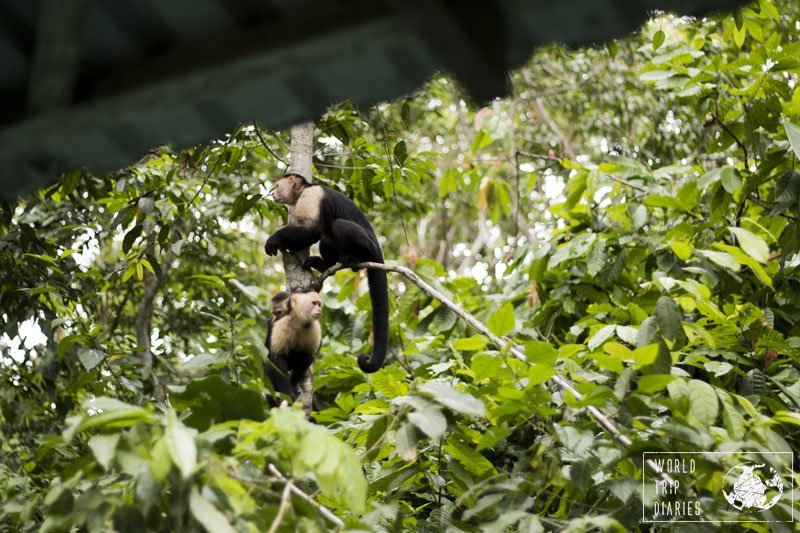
(628, 216)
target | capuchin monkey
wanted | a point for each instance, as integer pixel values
(345, 236)
(293, 339)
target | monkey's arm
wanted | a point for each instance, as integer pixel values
(292, 237)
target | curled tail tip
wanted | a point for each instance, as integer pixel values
(367, 364)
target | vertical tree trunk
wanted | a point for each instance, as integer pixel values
(297, 277)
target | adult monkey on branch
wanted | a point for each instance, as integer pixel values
(344, 235)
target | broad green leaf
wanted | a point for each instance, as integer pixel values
(703, 403)
(406, 442)
(476, 342)
(473, 461)
(733, 420)
(90, 358)
(644, 356)
(618, 350)
(104, 447)
(208, 515)
(723, 259)
(502, 320)
(752, 244)
(730, 179)
(430, 421)
(540, 352)
(669, 319)
(181, 445)
(654, 383)
(451, 398)
(658, 39)
(793, 133)
(389, 381)
(681, 249)
(743, 258)
(400, 153)
(602, 335)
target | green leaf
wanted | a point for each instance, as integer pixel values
(400, 152)
(473, 461)
(406, 442)
(540, 352)
(654, 383)
(453, 399)
(131, 237)
(601, 336)
(208, 515)
(730, 179)
(703, 403)
(90, 358)
(104, 447)
(752, 244)
(658, 39)
(476, 342)
(733, 420)
(502, 320)
(430, 420)
(181, 445)
(681, 249)
(644, 356)
(723, 259)
(376, 432)
(670, 322)
(405, 114)
(389, 381)
(793, 133)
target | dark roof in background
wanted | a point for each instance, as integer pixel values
(95, 84)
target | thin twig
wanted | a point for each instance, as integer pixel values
(626, 183)
(733, 136)
(324, 511)
(390, 157)
(285, 502)
(501, 342)
(264, 143)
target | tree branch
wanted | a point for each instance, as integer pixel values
(563, 383)
(324, 511)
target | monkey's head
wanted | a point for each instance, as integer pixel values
(289, 188)
(280, 305)
(306, 305)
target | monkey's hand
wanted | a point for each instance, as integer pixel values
(315, 262)
(272, 246)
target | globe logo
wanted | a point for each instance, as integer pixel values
(752, 486)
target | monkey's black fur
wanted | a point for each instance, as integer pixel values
(345, 236)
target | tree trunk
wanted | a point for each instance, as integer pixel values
(297, 276)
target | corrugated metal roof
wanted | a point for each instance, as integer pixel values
(96, 84)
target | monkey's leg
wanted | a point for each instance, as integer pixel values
(278, 373)
(354, 243)
(300, 363)
(329, 255)
(292, 238)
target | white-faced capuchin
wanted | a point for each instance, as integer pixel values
(293, 339)
(345, 236)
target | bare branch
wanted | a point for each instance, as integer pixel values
(285, 503)
(324, 511)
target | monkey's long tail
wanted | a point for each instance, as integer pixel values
(379, 294)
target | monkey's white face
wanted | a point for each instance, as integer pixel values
(308, 305)
(287, 190)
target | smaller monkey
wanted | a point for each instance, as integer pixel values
(293, 339)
